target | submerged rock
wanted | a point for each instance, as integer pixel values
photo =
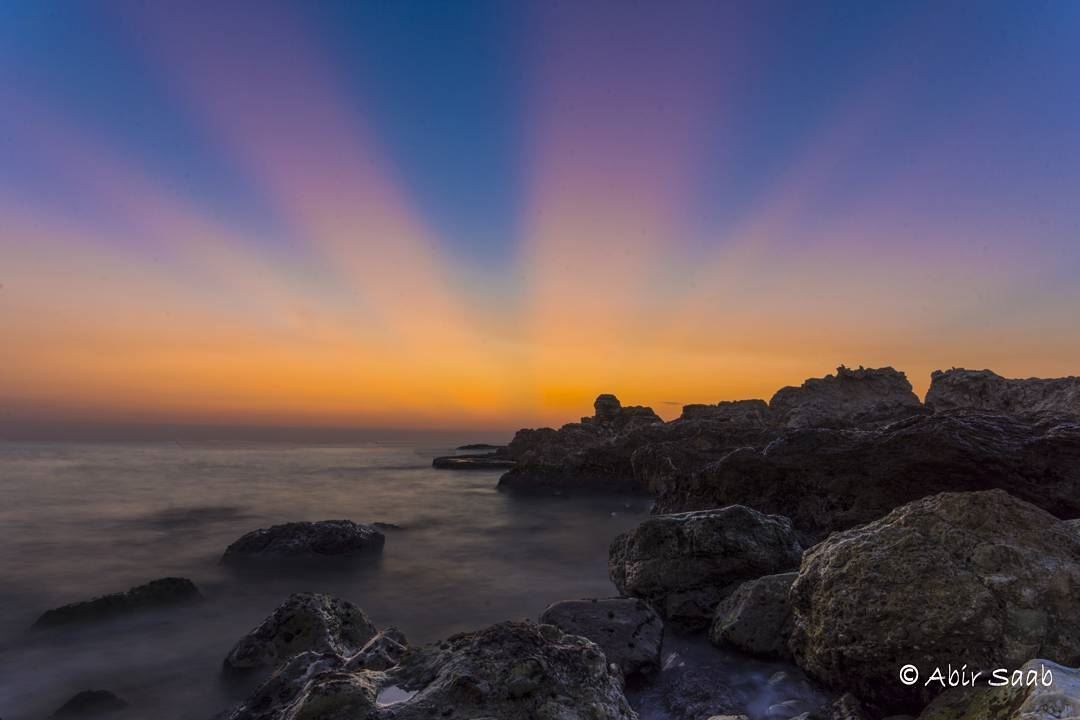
(91, 704)
(306, 621)
(850, 398)
(985, 390)
(685, 564)
(981, 579)
(484, 461)
(628, 631)
(161, 593)
(510, 671)
(826, 479)
(326, 538)
(1042, 690)
(756, 618)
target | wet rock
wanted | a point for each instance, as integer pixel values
(756, 618)
(165, 592)
(685, 564)
(850, 398)
(827, 480)
(381, 652)
(848, 707)
(982, 579)
(90, 704)
(985, 390)
(1031, 698)
(326, 538)
(511, 671)
(628, 631)
(306, 621)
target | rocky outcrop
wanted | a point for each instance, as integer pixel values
(756, 618)
(685, 564)
(511, 671)
(825, 479)
(1042, 690)
(326, 539)
(306, 621)
(985, 390)
(628, 631)
(165, 592)
(981, 579)
(850, 398)
(91, 704)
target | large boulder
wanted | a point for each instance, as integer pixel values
(982, 579)
(685, 564)
(510, 671)
(1042, 690)
(161, 593)
(826, 479)
(850, 398)
(985, 390)
(756, 618)
(305, 540)
(306, 621)
(628, 631)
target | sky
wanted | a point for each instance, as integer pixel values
(483, 214)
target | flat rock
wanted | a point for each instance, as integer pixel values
(985, 390)
(304, 622)
(850, 398)
(980, 578)
(91, 704)
(685, 564)
(156, 594)
(756, 618)
(325, 538)
(628, 630)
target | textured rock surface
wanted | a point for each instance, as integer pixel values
(510, 671)
(91, 704)
(985, 390)
(1057, 700)
(827, 479)
(628, 631)
(165, 592)
(326, 538)
(978, 578)
(685, 564)
(756, 618)
(850, 398)
(306, 621)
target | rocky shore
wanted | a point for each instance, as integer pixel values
(845, 531)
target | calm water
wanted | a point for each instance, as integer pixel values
(78, 521)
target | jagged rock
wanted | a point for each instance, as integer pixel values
(982, 579)
(685, 564)
(91, 703)
(381, 652)
(164, 592)
(756, 618)
(826, 479)
(326, 538)
(628, 631)
(986, 390)
(306, 621)
(510, 671)
(850, 398)
(1032, 698)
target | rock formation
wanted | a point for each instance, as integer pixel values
(851, 398)
(986, 390)
(685, 564)
(756, 618)
(629, 632)
(326, 538)
(165, 592)
(982, 579)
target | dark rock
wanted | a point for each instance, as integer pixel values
(850, 398)
(326, 538)
(982, 579)
(606, 409)
(827, 480)
(510, 671)
(482, 446)
(985, 390)
(306, 621)
(91, 703)
(486, 461)
(1058, 699)
(381, 652)
(628, 631)
(756, 618)
(849, 707)
(685, 564)
(165, 592)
